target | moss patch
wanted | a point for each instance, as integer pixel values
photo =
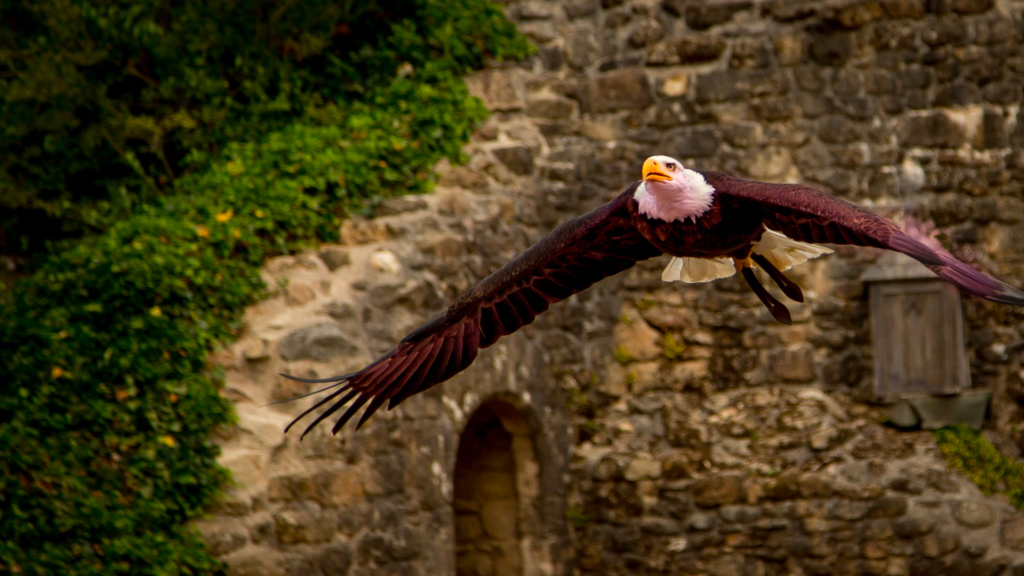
(976, 457)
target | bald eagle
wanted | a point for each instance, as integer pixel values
(713, 226)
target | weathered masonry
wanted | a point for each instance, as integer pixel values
(645, 428)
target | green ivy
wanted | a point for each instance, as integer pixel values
(976, 457)
(106, 104)
(109, 402)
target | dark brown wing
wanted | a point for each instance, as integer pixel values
(808, 215)
(568, 260)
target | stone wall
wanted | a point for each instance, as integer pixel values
(674, 429)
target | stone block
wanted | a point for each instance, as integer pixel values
(847, 510)
(399, 205)
(334, 257)
(551, 56)
(685, 50)
(735, 565)
(289, 487)
(702, 522)
(474, 563)
(907, 485)
(770, 164)
(701, 16)
(334, 559)
(888, 507)
(938, 545)
(959, 93)
(499, 519)
(744, 134)
(944, 31)
(257, 562)
(582, 48)
(1013, 532)
(534, 10)
(254, 349)
(903, 8)
(643, 468)
(298, 294)
(645, 376)
(385, 262)
(840, 130)
(933, 130)
(223, 535)
(793, 363)
(302, 523)
(247, 466)
(628, 88)
(357, 231)
(676, 466)
(853, 15)
(659, 526)
(615, 19)
(691, 143)
(339, 487)
(913, 527)
(831, 49)
(467, 528)
(319, 342)
(637, 340)
(497, 88)
(517, 158)
(873, 550)
(717, 490)
(972, 6)
(876, 530)
(1006, 92)
(739, 513)
(495, 484)
(551, 108)
(721, 86)
(646, 33)
(580, 8)
(973, 514)
(789, 49)
(675, 86)
(264, 425)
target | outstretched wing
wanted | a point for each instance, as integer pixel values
(575, 255)
(807, 215)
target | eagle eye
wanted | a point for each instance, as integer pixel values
(671, 166)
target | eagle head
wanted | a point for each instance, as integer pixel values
(671, 192)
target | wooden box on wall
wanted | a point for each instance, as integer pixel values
(917, 330)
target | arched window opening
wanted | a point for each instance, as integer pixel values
(495, 494)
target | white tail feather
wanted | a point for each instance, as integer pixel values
(697, 270)
(785, 253)
(781, 251)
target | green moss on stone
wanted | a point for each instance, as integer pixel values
(976, 457)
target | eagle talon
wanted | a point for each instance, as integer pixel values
(778, 309)
(788, 287)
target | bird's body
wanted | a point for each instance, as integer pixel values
(713, 226)
(725, 228)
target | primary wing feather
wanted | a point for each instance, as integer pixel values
(808, 215)
(575, 255)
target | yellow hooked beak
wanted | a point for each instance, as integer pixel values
(653, 171)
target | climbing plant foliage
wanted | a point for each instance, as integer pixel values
(176, 146)
(106, 104)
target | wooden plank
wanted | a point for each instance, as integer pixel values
(917, 328)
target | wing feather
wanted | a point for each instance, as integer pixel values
(568, 260)
(809, 215)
